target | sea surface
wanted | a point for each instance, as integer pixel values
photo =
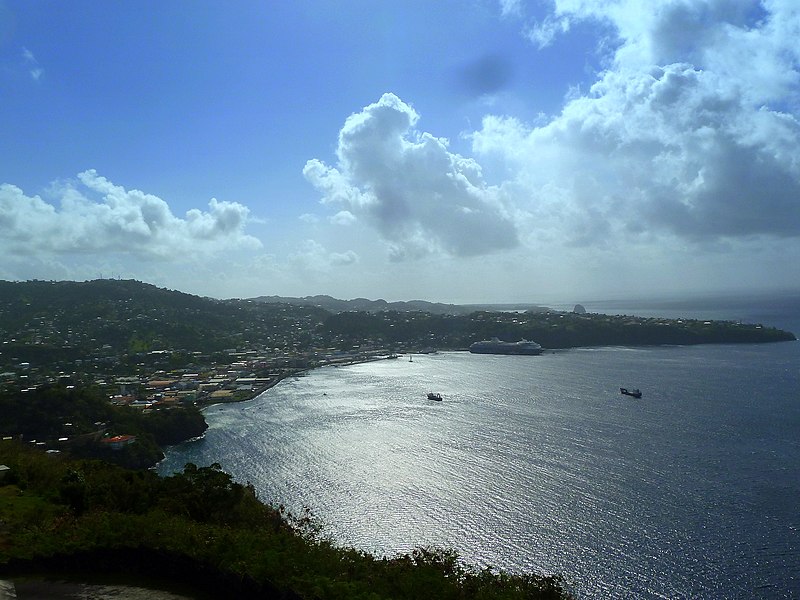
(540, 464)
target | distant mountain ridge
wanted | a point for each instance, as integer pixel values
(332, 304)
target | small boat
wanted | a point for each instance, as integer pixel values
(433, 396)
(410, 359)
(634, 393)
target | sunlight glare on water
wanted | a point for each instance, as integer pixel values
(538, 463)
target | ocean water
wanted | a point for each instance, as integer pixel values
(539, 463)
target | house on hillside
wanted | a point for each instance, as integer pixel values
(118, 442)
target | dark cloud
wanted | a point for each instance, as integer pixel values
(488, 74)
(693, 130)
(745, 192)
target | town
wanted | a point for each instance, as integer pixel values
(118, 370)
(150, 350)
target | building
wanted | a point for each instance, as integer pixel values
(118, 442)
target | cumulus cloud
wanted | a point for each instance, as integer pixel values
(343, 258)
(95, 216)
(313, 256)
(693, 129)
(343, 217)
(419, 196)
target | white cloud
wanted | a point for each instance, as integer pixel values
(693, 130)
(98, 217)
(418, 195)
(314, 257)
(343, 217)
(25, 221)
(32, 65)
(343, 258)
(544, 32)
(510, 7)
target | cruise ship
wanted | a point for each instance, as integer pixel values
(497, 346)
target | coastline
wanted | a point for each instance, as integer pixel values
(203, 404)
(701, 392)
(343, 362)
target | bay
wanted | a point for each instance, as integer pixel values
(539, 464)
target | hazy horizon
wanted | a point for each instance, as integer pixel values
(729, 295)
(487, 152)
(724, 298)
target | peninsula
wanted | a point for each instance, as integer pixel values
(129, 364)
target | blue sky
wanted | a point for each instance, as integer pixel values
(454, 151)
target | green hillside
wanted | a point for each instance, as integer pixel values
(205, 531)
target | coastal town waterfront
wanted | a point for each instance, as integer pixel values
(539, 464)
(529, 463)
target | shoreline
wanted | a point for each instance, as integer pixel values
(560, 391)
(203, 405)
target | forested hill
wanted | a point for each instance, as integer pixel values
(53, 322)
(70, 318)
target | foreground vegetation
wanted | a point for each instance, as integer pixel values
(201, 528)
